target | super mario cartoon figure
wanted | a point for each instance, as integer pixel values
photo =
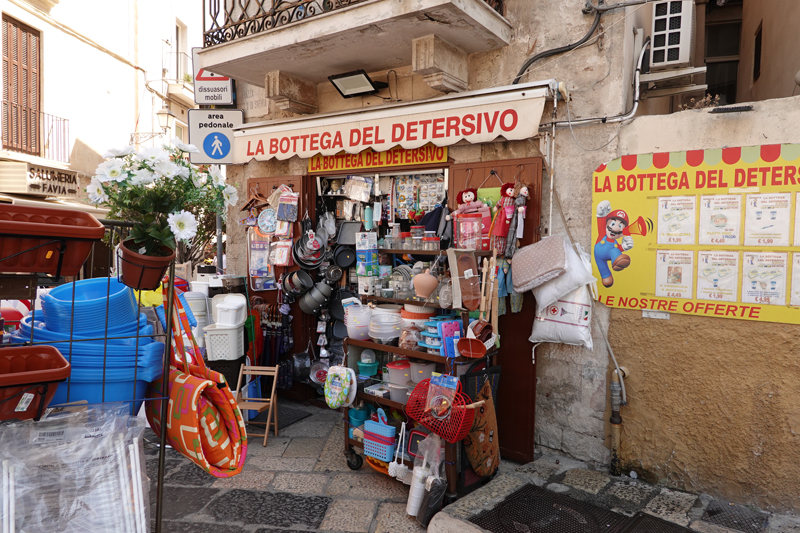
(611, 225)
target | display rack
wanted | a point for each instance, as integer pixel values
(25, 287)
(354, 461)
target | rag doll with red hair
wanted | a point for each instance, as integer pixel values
(467, 203)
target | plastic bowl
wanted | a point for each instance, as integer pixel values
(98, 302)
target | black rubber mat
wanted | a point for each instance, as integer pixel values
(535, 510)
(645, 523)
(736, 517)
(286, 417)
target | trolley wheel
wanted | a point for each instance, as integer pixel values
(355, 461)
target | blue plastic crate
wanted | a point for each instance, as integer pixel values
(379, 429)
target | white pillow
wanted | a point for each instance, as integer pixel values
(567, 321)
(578, 274)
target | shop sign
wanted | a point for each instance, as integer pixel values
(704, 232)
(510, 113)
(425, 155)
(52, 182)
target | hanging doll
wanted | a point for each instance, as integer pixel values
(467, 202)
(502, 219)
(517, 224)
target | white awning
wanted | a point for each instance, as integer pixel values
(512, 112)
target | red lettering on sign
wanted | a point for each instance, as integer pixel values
(424, 124)
(411, 130)
(754, 311)
(260, 148)
(378, 139)
(730, 311)
(738, 177)
(620, 183)
(722, 183)
(294, 142)
(490, 124)
(673, 306)
(397, 132)
(700, 179)
(282, 149)
(437, 131)
(452, 126)
(368, 135)
(514, 119)
(337, 140)
(684, 184)
(355, 137)
(249, 152)
(752, 177)
(788, 175)
(777, 174)
(764, 171)
(690, 307)
(662, 305)
(469, 124)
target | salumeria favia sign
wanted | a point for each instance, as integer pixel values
(52, 182)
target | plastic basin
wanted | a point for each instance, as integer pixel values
(24, 366)
(98, 302)
(367, 369)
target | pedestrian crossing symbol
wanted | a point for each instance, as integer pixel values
(216, 145)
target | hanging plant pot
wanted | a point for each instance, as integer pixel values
(142, 272)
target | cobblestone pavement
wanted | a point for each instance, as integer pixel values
(299, 482)
(624, 495)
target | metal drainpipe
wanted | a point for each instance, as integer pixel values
(616, 422)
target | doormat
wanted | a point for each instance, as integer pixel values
(286, 417)
(736, 517)
(646, 523)
(535, 510)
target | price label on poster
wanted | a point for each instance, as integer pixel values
(764, 278)
(676, 220)
(716, 276)
(767, 220)
(674, 273)
(720, 219)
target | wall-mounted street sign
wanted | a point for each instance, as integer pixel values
(210, 88)
(211, 131)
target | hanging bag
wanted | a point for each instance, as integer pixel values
(204, 422)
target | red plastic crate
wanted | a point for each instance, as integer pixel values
(40, 367)
(23, 228)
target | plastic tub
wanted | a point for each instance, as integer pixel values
(356, 417)
(229, 309)
(421, 370)
(23, 367)
(197, 302)
(24, 228)
(92, 298)
(398, 393)
(123, 390)
(367, 369)
(199, 286)
(367, 356)
(432, 339)
(387, 309)
(399, 372)
(42, 333)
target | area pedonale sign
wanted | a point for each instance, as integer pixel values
(512, 115)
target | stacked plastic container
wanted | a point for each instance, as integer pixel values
(84, 333)
(225, 337)
(357, 320)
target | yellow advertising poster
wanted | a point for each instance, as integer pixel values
(704, 232)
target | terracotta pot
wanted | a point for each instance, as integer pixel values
(425, 283)
(142, 272)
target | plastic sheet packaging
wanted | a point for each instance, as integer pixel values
(79, 470)
(410, 338)
(429, 481)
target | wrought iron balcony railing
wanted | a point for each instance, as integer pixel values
(32, 132)
(228, 20)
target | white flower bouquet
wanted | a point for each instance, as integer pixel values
(161, 193)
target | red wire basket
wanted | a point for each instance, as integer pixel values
(454, 427)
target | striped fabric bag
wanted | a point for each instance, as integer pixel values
(203, 423)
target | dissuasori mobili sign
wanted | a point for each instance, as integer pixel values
(478, 117)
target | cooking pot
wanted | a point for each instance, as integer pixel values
(316, 298)
(297, 283)
(333, 274)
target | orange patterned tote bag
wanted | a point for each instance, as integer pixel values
(203, 421)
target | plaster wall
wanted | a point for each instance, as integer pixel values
(712, 402)
(103, 96)
(780, 55)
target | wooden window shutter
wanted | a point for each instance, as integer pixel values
(21, 94)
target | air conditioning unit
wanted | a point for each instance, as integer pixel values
(672, 34)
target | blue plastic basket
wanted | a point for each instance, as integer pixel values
(384, 452)
(375, 449)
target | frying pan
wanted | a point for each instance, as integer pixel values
(344, 257)
(333, 274)
(338, 329)
(335, 305)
